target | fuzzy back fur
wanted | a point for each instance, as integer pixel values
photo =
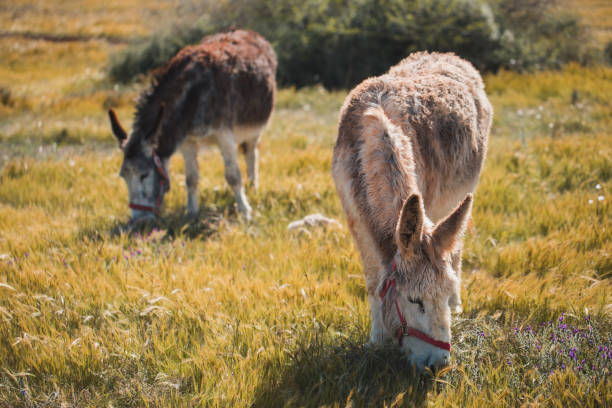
(421, 128)
(212, 85)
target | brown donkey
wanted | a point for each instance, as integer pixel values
(221, 92)
(410, 147)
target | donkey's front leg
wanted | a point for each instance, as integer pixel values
(225, 140)
(378, 334)
(252, 158)
(190, 155)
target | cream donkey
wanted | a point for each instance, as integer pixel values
(221, 92)
(410, 148)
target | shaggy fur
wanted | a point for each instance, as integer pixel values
(410, 147)
(220, 91)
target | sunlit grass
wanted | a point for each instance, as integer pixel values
(113, 18)
(223, 313)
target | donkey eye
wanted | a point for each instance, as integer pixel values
(418, 302)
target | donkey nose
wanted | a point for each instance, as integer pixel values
(440, 362)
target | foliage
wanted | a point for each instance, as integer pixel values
(339, 43)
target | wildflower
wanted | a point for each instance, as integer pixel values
(509, 362)
(561, 317)
(550, 125)
(598, 187)
(600, 198)
(563, 366)
(572, 353)
(481, 333)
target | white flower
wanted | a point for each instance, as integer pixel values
(598, 187)
(600, 198)
(550, 125)
(541, 108)
(519, 112)
(590, 201)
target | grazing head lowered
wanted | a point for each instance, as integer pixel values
(417, 287)
(218, 92)
(411, 144)
(145, 174)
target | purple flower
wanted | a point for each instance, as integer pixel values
(563, 366)
(561, 317)
(572, 353)
(481, 333)
(509, 362)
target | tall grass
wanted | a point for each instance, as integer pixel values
(217, 312)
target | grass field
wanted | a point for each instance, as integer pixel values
(217, 312)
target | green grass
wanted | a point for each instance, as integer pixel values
(217, 312)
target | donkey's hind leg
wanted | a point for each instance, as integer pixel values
(225, 140)
(189, 150)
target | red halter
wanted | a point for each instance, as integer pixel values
(404, 330)
(163, 179)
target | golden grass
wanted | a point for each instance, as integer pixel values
(217, 312)
(112, 18)
(597, 14)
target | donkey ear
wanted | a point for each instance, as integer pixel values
(117, 128)
(448, 232)
(410, 224)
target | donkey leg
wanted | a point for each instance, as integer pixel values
(252, 160)
(192, 175)
(225, 140)
(378, 334)
(455, 300)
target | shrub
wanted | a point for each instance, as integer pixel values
(339, 43)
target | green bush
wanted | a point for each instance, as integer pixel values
(339, 42)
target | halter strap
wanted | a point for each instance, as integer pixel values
(404, 330)
(163, 179)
